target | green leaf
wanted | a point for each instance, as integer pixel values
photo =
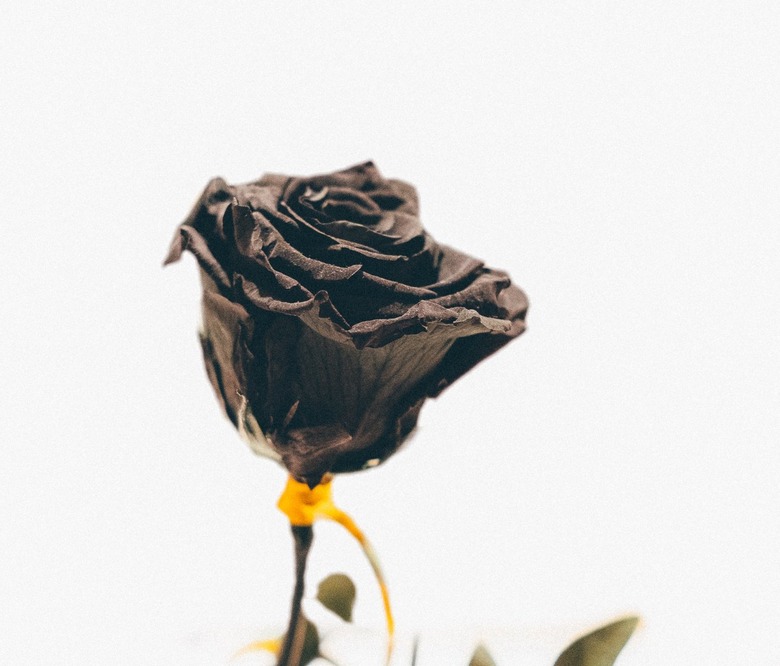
(601, 647)
(311, 643)
(337, 594)
(481, 657)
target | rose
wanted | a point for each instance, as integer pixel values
(329, 314)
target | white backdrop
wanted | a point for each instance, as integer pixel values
(620, 160)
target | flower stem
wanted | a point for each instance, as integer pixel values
(296, 630)
(303, 505)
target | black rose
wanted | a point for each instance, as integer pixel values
(329, 314)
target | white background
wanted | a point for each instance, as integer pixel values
(620, 160)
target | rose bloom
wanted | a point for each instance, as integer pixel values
(330, 314)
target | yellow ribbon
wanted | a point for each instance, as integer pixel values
(303, 505)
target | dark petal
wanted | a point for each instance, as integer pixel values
(277, 345)
(411, 258)
(416, 270)
(360, 301)
(358, 197)
(206, 210)
(421, 317)
(387, 201)
(401, 425)
(407, 363)
(188, 238)
(364, 177)
(311, 272)
(407, 193)
(267, 288)
(176, 249)
(348, 399)
(250, 293)
(215, 374)
(338, 203)
(204, 219)
(309, 453)
(359, 235)
(348, 204)
(481, 294)
(264, 256)
(226, 327)
(367, 297)
(352, 383)
(320, 303)
(456, 270)
(469, 351)
(514, 305)
(401, 226)
(264, 198)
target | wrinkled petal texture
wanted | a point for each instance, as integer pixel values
(330, 314)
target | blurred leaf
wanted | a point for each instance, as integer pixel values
(311, 644)
(601, 647)
(481, 657)
(337, 593)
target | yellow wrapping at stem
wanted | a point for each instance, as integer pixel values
(303, 505)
